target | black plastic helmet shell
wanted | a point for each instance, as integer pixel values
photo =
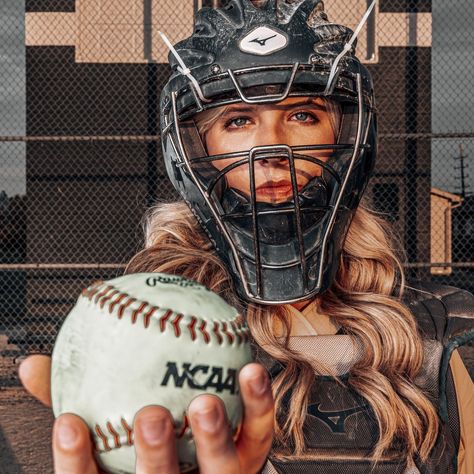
(214, 48)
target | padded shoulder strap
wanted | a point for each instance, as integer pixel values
(443, 313)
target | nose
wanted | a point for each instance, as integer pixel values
(266, 161)
(271, 134)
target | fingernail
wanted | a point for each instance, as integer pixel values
(208, 419)
(67, 436)
(152, 429)
(259, 385)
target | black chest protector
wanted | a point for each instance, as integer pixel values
(341, 429)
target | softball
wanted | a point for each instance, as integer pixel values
(146, 339)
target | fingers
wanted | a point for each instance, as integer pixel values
(72, 448)
(35, 375)
(256, 434)
(216, 452)
(155, 442)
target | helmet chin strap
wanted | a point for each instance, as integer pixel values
(183, 69)
(276, 228)
(347, 47)
(316, 191)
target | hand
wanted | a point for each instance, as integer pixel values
(216, 450)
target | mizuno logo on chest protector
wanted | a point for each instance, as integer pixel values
(335, 420)
(263, 41)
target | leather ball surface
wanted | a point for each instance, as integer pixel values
(146, 339)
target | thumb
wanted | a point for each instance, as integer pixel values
(35, 375)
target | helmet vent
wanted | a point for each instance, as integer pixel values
(317, 16)
(286, 10)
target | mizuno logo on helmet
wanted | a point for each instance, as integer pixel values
(263, 41)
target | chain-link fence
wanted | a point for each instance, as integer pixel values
(80, 157)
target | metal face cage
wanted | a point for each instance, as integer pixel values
(281, 253)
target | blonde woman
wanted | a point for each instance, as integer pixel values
(269, 135)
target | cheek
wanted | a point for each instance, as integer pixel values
(322, 133)
(218, 142)
(327, 132)
(238, 179)
(213, 144)
(308, 170)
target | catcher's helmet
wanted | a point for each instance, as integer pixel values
(284, 252)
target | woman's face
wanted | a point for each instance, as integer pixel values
(292, 122)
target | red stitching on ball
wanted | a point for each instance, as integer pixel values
(107, 298)
(148, 316)
(202, 328)
(185, 426)
(236, 330)
(95, 446)
(216, 331)
(102, 437)
(124, 306)
(226, 331)
(116, 302)
(177, 330)
(103, 293)
(114, 434)
(129, 431)
(137, 312)
(165, 318)
(191, 327)
(92, 291)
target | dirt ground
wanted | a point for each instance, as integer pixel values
(26, 425)
(25, 434)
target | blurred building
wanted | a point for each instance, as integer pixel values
(402, 74)
(443, 204)
(96, 68)
(463, 231)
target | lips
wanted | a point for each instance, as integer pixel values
(282, 186)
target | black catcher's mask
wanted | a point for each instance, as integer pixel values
(279, 251)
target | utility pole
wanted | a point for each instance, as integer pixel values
(411, 236)
(462, 167)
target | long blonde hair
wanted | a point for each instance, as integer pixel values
(361, 301)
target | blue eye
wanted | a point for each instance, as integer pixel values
(239, 122)
(303, 116)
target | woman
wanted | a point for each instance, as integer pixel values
(270, 138)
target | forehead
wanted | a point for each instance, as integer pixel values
(289, 103)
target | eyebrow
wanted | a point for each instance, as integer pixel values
(252, 108)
